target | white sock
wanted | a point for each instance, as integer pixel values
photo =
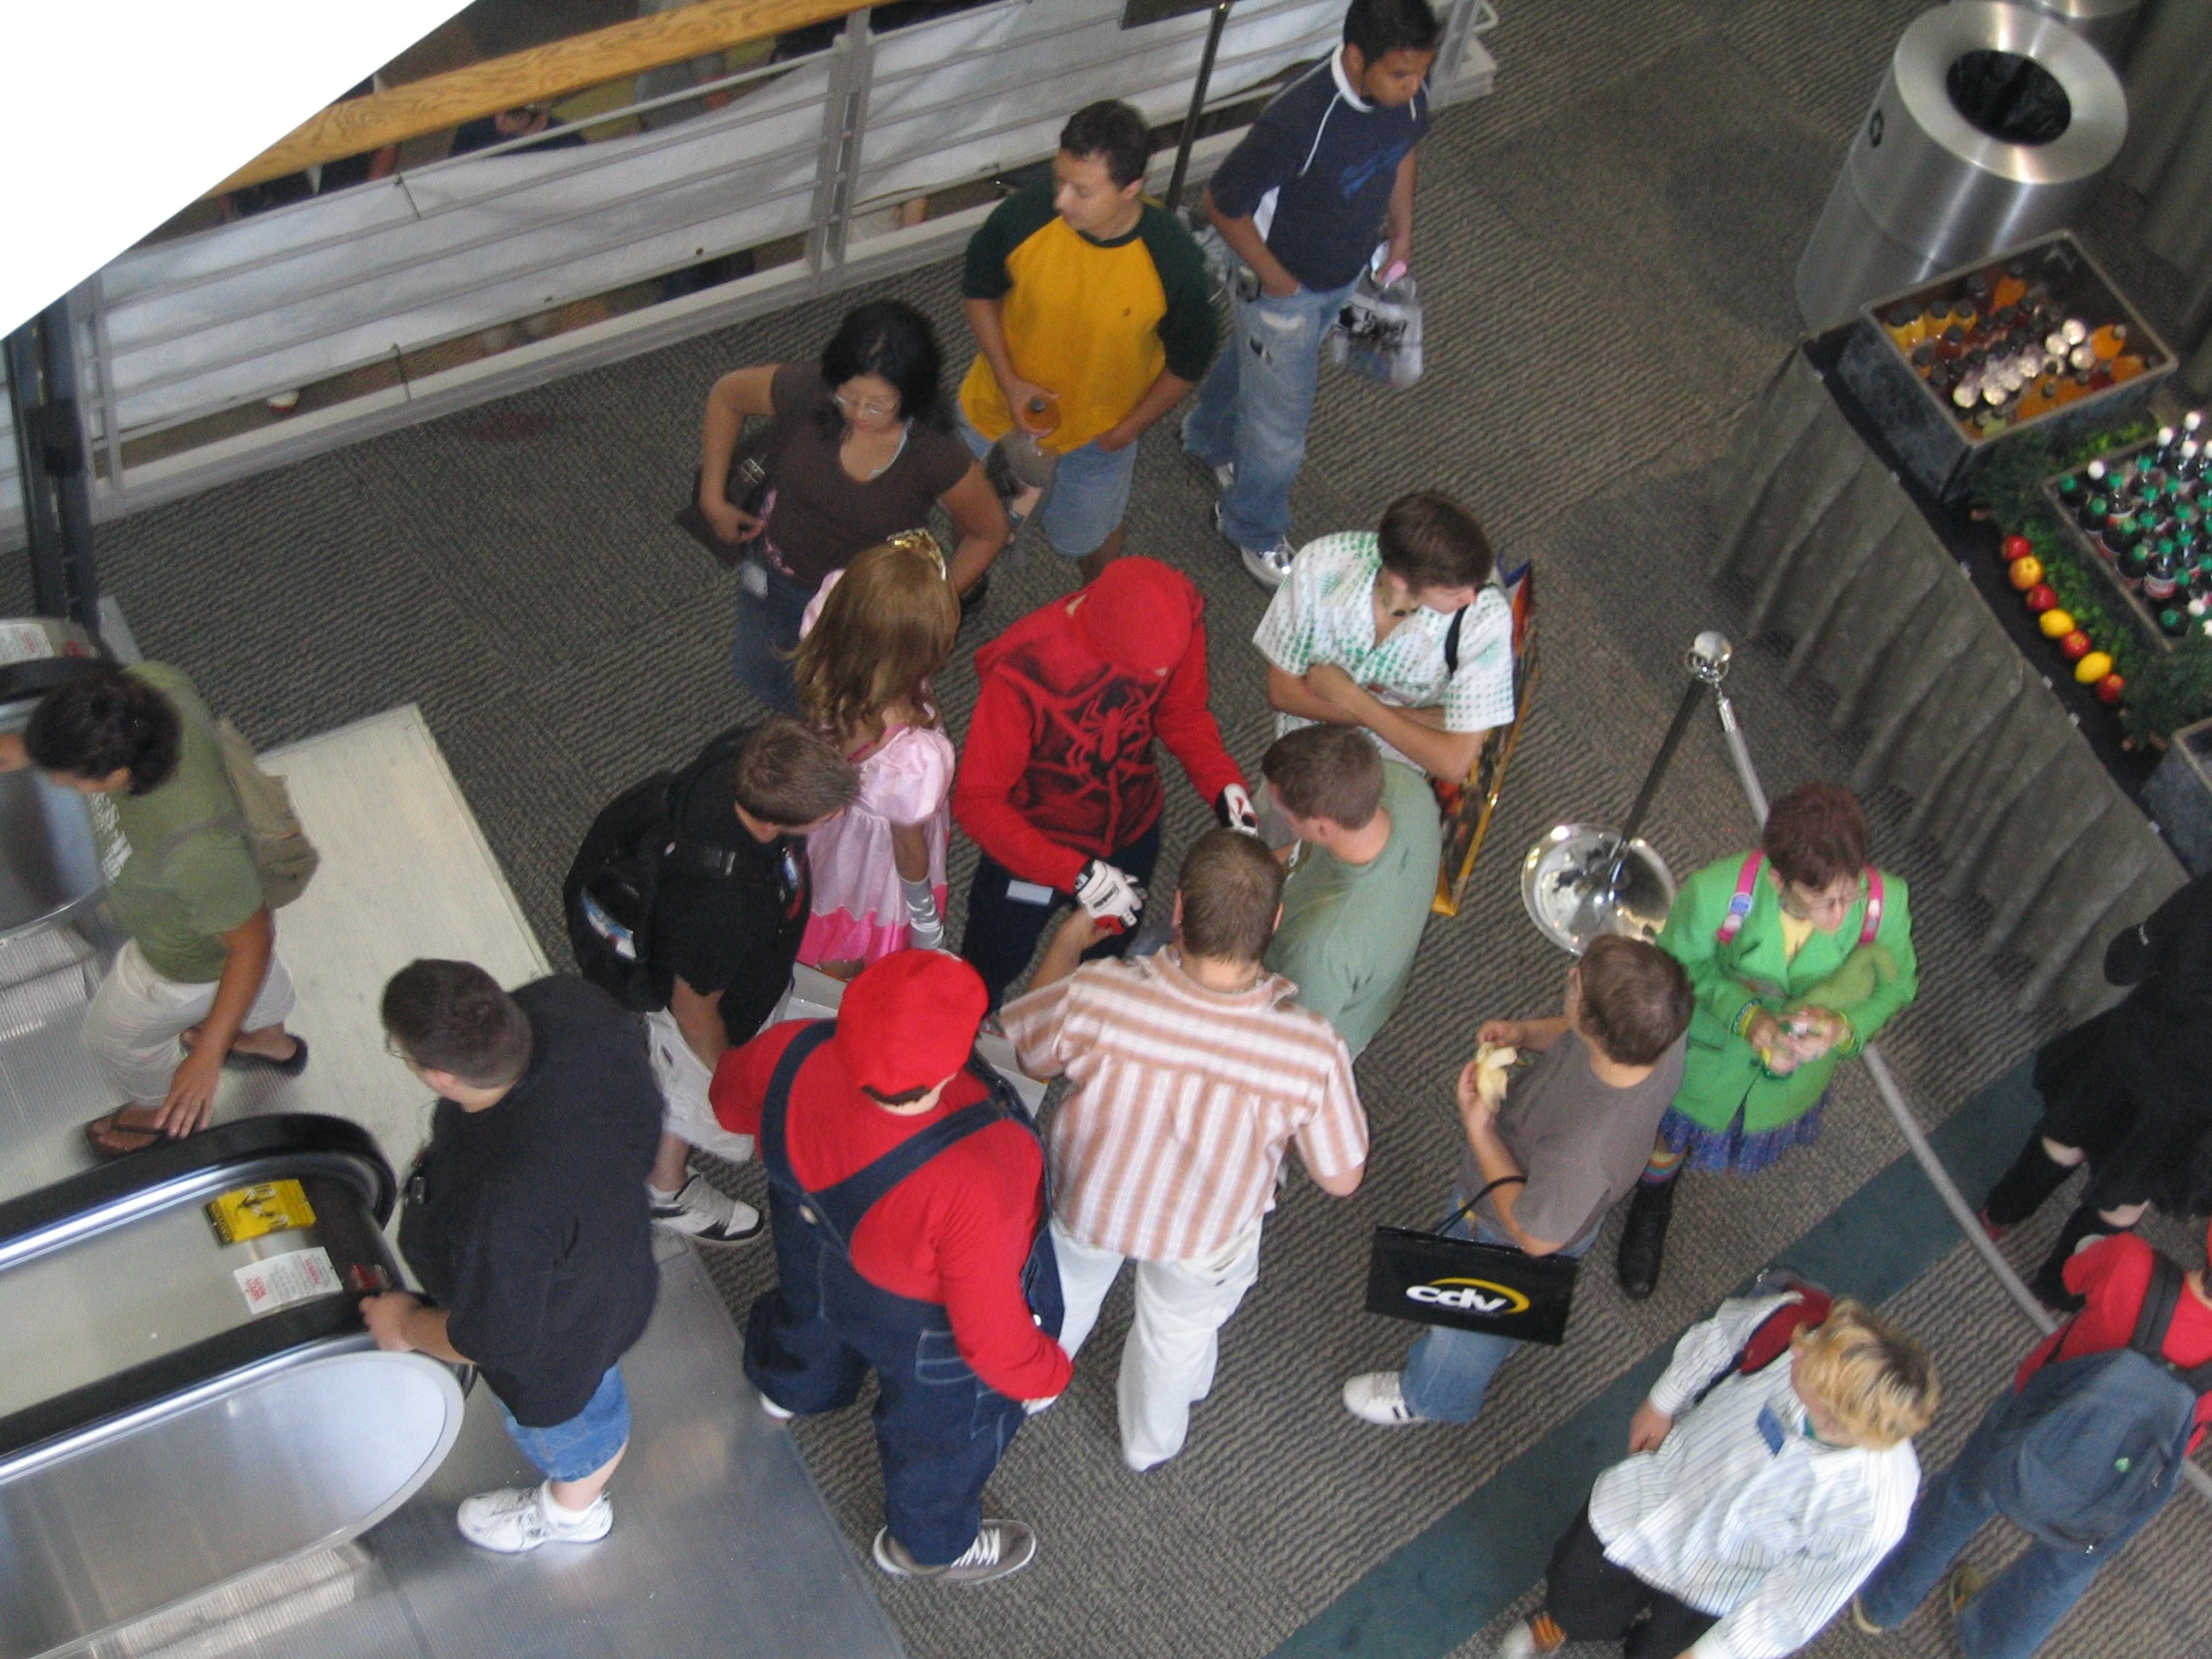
(558, 1515)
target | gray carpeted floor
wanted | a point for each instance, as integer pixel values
(1606, 247)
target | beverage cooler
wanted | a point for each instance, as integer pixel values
(186, 1391)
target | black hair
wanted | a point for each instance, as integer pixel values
(892, 340)
(108, 721)
(453, 1018)
(1115, 134)
(1379, 27)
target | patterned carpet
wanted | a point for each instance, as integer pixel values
(1606, 248)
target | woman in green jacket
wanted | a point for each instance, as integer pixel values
(1799, 953)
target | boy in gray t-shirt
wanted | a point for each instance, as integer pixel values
(1570, 1124)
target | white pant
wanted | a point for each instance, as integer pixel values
(686, 1111)
(1167, 1363)
(136, 1016)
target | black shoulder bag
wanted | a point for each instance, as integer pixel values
(1432, 1279)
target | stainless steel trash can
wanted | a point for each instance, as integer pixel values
(1992, 127)
(2108, 25)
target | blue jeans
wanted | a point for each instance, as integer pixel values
(1447, 1372)
(1002, 931)
(1254, 406)
(587, 1442)
(767, 627)
(1088, 495)
(2013, 1615)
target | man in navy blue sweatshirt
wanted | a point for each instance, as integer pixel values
(1325, 174)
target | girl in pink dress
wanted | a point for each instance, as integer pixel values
(869, 640)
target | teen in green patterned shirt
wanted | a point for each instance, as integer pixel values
(1403, 631)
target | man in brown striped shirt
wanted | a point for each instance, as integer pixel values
(1192, 1071)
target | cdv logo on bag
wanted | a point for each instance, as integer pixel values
(1473, 1296)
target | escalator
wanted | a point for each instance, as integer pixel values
(178, 1410)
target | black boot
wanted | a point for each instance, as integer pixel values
(1644, 1239)
(2022, 1190)
(2049, 1284)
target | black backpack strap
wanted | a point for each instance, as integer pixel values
(2157, 1311)
(1452, 641)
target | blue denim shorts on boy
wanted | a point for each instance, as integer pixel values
(1087, 497)
(572, 1450)
(1255, 403)
(770, 607)
(1448, 1370)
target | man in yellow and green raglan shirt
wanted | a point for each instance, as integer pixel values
(1093, 311)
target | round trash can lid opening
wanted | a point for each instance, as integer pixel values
(2012, 97)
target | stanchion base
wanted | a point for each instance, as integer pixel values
(1561, 876)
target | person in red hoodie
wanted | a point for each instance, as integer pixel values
(2011, 1617)
(906, 1193)
(1057, 784)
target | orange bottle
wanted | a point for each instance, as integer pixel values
(2108, 342)
(2009, 290)
(2126, 367)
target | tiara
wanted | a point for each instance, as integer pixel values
(923, 544)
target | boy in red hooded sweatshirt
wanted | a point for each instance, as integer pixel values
(1056, 784)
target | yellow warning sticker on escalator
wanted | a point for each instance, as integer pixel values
(249, 1212)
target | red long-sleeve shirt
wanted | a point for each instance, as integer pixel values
(956, 1232)
(1057, 769)
(2115, 1274)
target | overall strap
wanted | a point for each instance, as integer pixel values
(1739, 907)
(843, 1204)
(775, 1104)
(1872, 924)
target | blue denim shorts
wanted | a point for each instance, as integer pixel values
(1088, 495)
(572, 1450)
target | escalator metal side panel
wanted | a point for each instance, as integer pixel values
(294, 1456)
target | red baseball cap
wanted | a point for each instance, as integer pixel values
(1138, 615)
(909, 1021)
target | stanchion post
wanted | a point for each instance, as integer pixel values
(1214, 28)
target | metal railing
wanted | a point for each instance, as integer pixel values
(817, 151)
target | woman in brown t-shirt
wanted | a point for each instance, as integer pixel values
(860, 449)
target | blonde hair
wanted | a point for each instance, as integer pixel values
(1875, 1380)
(884, 629)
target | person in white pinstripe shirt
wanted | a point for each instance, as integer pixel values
(1193, 1071)
(1743, 1520)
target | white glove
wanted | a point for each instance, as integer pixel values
(1033, 1407)
(925, 927)
(1112, 899)
(1236, 812)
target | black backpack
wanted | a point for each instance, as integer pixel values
(2093, 1446)
(614, 884)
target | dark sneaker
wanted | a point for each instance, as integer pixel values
(1001, 1548)
(1644, 1239)
(699, 1210)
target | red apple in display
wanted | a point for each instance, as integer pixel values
(2041, 597)
(2074, 646)
(2110, 688)
(2016, 547)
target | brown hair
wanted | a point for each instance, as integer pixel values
(884, 629)
(787, 774)
(453, 1018)
(1636, 999)
(1816, 835)
(1232, 887)
(1331, 771)
(1428, 540)
(1875, 1380)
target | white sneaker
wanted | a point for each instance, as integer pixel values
(1270, 566)
(1521, 1642)
(700, 1211)
(1225, 476)
(1001, 1548)
(1378, 1397)
(520, 1518)
(780, 1413)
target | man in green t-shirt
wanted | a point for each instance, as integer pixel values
(201, 961)
(1363, 876)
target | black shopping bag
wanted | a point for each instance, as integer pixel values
(1432, 1279)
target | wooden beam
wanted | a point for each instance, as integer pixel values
(537, 76)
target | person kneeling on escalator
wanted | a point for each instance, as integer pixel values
(906, 1196)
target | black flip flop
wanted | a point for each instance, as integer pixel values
(235, 1061)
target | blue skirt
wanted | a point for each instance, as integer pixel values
(1731, 1151)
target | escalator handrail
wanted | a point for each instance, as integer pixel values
(107, 1189)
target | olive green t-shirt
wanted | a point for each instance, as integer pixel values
(179, 872)
(1349, 931)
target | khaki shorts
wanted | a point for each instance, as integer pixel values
(686, 1111)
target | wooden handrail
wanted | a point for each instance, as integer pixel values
(543, 71)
